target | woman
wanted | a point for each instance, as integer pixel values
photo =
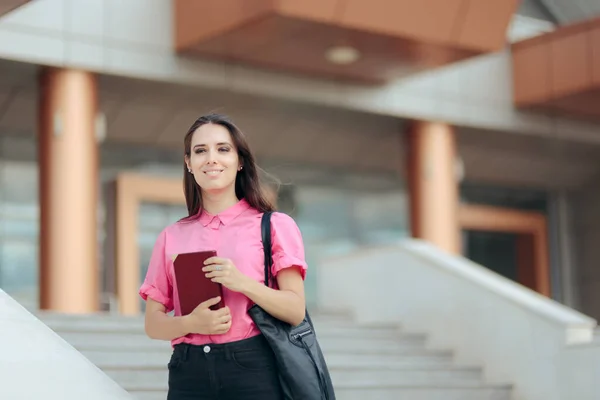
(221, 354)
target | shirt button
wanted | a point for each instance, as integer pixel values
(207, 349)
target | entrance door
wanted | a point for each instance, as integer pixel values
(510, 242)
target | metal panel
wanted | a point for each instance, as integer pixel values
(569, 11)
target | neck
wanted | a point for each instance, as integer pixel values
(214, 203)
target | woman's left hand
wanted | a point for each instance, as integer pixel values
(223, 271)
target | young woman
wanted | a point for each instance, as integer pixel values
(221, 354)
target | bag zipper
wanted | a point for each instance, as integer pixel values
(300, 335)
(322, 385)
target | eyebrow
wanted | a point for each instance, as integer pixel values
(218, 144)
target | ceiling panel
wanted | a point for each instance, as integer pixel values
(500, 158)
(535, 9)
(275, 129)
(263, 125)
(305, 142)
(569, 11)
(290, 134)
(385, 153)
(511, 169)
(173, 133)
(6, 96)
(18, 74)
(136, 122)
(19, 112)
(301, 135)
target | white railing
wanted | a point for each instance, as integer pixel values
(516, 335)
(37, 364)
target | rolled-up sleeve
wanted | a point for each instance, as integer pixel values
(288, 247)
(157, 284)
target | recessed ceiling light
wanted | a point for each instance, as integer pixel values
(342, 55)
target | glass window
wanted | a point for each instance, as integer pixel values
(153, 218)
(335, 221)
(18, 271)
(19, 227)
(380, 217)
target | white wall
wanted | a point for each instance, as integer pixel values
(516, 335)
(37, 364)
(580, 370)
(133, 38)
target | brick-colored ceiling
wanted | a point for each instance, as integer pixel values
(393, 37)
(8, 5)
(559, 72)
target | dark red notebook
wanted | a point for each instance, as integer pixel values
(193, 286)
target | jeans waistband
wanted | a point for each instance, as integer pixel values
(225, 349)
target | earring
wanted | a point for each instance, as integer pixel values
(189, 170)
(241, 168)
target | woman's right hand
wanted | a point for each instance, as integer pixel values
(205, 321)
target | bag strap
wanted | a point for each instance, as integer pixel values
(265, 228)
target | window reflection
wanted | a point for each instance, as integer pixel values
(18, 270)
(19, 226)
(332, 220)
(153, 218)
(335, 221)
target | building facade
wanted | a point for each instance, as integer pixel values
(439, 126)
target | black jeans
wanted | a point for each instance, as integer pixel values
(243, 370)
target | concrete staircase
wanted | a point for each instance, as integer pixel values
(372, 363)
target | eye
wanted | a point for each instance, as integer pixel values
(200, 150)
(224, 149)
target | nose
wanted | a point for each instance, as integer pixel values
(211, 159)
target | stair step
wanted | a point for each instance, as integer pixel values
(379, 362)
(75, 320)
(417, 392)
(106, 327)
(140, 342)
(132, 359)
(149, 395)
(156, 379)
(397, 392)
(165, 353)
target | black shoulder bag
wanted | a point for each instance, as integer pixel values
(302, 369)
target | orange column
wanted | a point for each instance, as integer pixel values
(68, 175)
(433, 184)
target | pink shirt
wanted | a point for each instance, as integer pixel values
(235, 234)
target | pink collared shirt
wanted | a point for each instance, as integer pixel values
(235, 234)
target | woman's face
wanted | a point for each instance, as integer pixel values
(213, 158)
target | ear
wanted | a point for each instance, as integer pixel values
(186, 159)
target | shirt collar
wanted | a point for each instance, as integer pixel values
(225, 216)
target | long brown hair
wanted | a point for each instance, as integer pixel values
(247, 181)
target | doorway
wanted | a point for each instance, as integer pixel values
(143, 205)
(510, 242)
